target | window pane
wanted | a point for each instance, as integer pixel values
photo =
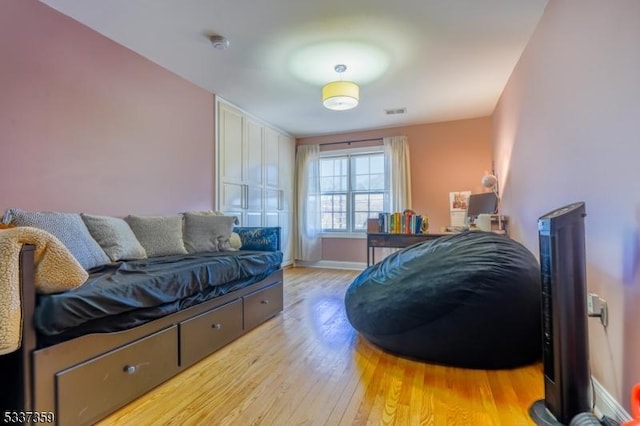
(368, 173)
(326, 167)
(360, 222)
(361, 165)
(325, 202)
(361, 183)
(376, 164)
(366, 206)
(326, 219)
(340, 167)
(340, 221)
(377, 202)
(334, 211)
(377, 182)
(326, 184)
(353, 188)
(333, 174)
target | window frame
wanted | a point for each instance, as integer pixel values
(349, 153)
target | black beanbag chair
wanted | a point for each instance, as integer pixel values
(467, 300)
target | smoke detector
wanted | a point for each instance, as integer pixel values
(219, 42)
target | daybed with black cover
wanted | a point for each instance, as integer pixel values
(130, 324)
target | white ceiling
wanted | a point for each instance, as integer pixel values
(441, 59)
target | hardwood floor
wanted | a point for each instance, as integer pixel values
(307, 366)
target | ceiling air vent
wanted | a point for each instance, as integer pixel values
(394, 111)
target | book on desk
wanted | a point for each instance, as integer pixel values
(406, 222)
(376, 238)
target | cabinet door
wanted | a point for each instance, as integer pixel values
(272, 162)
(232, 196)
(286, 165)
(252, 218)
(254, 153)
(254, 198)
(272, 219)
(231, 137)
(273, 199)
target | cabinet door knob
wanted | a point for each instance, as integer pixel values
(265, 302)
(217, 326)
(130, 369)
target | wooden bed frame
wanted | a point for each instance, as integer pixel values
(84, 379)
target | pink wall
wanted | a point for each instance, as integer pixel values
(445, 157)
(87, 125)
(567, 128)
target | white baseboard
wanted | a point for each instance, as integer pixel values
(332, 264)
(607, 404)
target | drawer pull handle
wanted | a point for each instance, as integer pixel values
(217, 326)
(130, 369)
(265, 302)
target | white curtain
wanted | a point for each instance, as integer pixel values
(396, 154)
(308, 225)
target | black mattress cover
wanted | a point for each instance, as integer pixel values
(122, 295)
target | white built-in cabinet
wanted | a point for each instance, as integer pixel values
(254, 173)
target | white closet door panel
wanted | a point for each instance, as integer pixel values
(254, 153)
(272, 199)
(271, 164)
(231, 197)
(286, 157)
(253, 218)
(232, 159)
(254, 198)
(272, 219)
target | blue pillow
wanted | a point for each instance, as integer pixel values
(259, 238)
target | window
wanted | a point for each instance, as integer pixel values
(353, 188)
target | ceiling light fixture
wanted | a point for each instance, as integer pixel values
(340, 95)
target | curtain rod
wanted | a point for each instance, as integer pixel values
(350, 142)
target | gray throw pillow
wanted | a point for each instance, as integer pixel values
(69, 229)
(207, 232)
(115, 237)
(159, 235)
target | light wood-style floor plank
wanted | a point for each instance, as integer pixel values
(307, 366)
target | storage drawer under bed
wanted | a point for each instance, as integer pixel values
(89, 391)
(202, 335)
(262, 305)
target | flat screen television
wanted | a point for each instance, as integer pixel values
(565, 352)
(478, 204)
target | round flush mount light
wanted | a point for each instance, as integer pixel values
(219, 42)
(340, 95)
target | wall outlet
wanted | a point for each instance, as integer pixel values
(597, 307)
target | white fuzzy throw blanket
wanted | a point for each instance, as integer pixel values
(56, 270)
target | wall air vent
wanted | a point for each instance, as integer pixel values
(394, 111)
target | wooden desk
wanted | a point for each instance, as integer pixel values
(383, 239)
